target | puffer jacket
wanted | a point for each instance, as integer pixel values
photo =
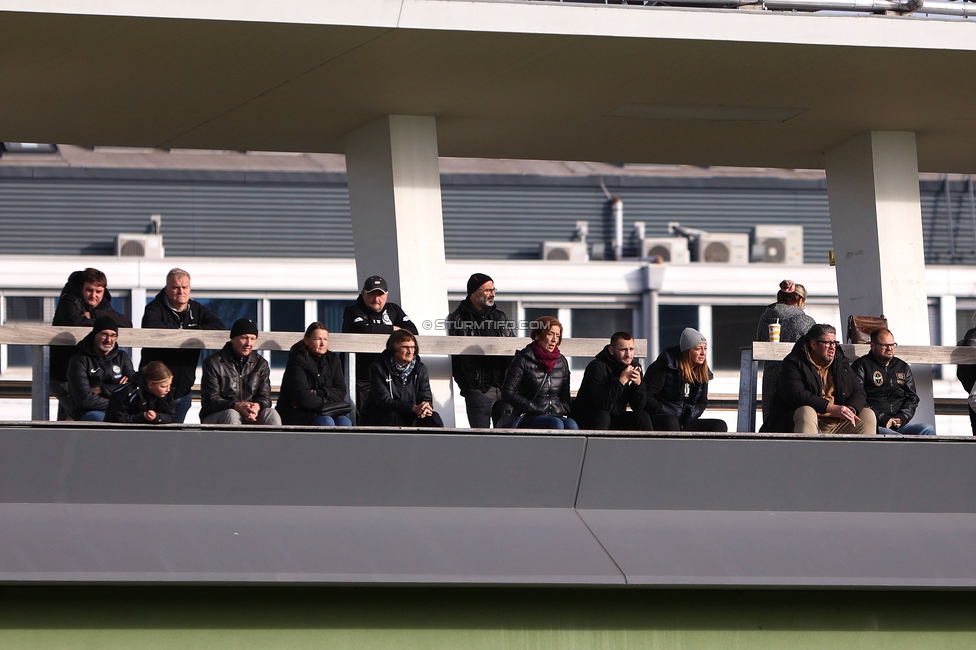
(309, 383)
(478, 372)
(134, 398)
(70, 312)
(223, 383)
(527, 378)
(668, 392)
(601, 389)
(88, 368)
(391, 402)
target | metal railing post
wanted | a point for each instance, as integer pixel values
(748, 376)
(40, 383)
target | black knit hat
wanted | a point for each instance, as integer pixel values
(243, 326)
(103, 323)
(476, 281)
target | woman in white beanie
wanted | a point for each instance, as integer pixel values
(677, 386)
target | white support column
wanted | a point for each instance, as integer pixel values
(398, 226)
(947, 323)
(876, 221)
(705, 327)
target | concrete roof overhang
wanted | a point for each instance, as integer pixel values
(504, 79)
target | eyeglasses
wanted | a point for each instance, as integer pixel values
(827, 344)
(887, 346)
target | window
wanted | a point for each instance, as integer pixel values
(733, 327)
(286, 316)
(673, 319)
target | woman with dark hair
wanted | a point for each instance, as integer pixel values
(537, 382)
(146, 399)
(677, 386)
(793, 323)
(313, 388)
(399, 387)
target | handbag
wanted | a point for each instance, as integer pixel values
(859, 328)
(513, 420)
(335, 408)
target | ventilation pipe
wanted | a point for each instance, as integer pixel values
(618, 222)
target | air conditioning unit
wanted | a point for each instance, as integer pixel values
(565, 251)
(672, 250)
(722, 248)
(778, 244)
(137, 245)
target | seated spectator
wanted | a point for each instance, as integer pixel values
(146, 399)
(537, 382)
(818, 390)
(889, 387)
(399, 392)
(236, 385)
(83, 299)
(793, 322)
(612, 382)
(677, 386)
(313, 388)
(96, 370)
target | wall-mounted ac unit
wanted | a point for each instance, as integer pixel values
(565, 251)
(778, 244)
(722, 248)
(673, 250)
(137, 245)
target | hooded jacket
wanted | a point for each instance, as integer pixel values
(70, 312)
(601, 389)
(533, 391)
(88, 368)
(889, 390)
(309, 383)
(478, 372)
(129, 402)
(390, 401)
(360, 319)
(800, 385)
(182, 362)
(668, 392)
(224, 383)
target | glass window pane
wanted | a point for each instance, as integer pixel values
(733, 326)
(286, 316)
(25, 309)
(330, 313)
(598, 324)
(673, 319)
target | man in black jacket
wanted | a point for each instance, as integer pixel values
(890, 387)
(611, 382)
(372, 314)
(96, 370)
(480, 377)
(236, 384)
(818, 391)
(173, 309)
(966, 374)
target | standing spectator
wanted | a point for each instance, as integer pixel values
(890, 387)
(480, 377)
(612, 382)
(173, 309)
(400, 394)
(537, 383)
(84, 298)
(146, 399)
(677, 386)
(313, 388)
(793, 322)
(372, 314)
(96, 370)
(236, 384)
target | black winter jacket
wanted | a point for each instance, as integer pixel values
(88, 368)
(966, 373)
(181, 362)
(309, 383)
(133, 399)
(70, 312)
(478, 372)
(668, 392)
(889, 390)
(601, 389)
(360, 319)
(390, 401)
(223, 383)
(800, 385)
(527, 378)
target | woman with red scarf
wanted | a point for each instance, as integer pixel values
(537, 382)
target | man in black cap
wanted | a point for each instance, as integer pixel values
(96, 370)
(236, 384)
(372, 314)
(480, 377)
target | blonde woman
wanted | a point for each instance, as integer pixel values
(677, 386)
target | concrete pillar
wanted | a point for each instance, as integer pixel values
(876, 221)
(398, 226)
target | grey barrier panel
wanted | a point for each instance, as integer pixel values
(240, 467)
(180, 543)
(863, 474)
(825, 549)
